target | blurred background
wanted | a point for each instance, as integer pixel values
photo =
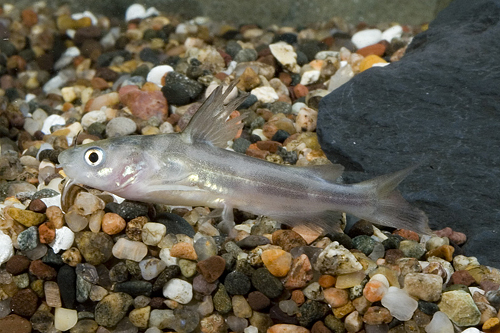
(281, 12)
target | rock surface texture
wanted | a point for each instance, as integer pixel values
(439, 106)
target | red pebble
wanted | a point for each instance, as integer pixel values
(408, 234)
(462, 277)
(144, 104)
(376, 49)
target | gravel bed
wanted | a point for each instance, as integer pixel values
(96, 263)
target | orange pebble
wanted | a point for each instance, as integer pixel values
(298, 297)
(300, 90)
(374, 290)
(492, 325)
(326, 281)
(183, 250)
(369, 61)
(277, 261)
(112, 223)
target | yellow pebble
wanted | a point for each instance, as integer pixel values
(492, 325)
(369, 61)
(277, 261)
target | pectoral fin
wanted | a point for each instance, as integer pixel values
(210, 125)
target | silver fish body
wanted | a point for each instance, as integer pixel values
(192, 169)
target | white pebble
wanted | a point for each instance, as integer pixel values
(67, 57)
(440, 323)
(296, 107)
(167, 258)
(251, 329)
(97, 116)
(285, 55)
(399, 303)
(151, 268)
(166, 127)
(322, 55)
(306, 120)
(51, 121)
(64, 319)
(344, 74)
(131, 250)
(366, 37)
(156, 73)
(152, 233)
(55, 83)
(63, 240)
(120, 126)
(178, 290)
(471, 330)
(259, 132)
(153, 330)
(310, 77)
(265, 94)
(393, 32)
(6, 248)
(138, 11)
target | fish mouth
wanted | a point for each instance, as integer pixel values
(69, 192)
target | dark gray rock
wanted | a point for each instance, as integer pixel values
(180, 90)
(439, 105)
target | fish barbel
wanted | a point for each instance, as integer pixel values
(192, 168)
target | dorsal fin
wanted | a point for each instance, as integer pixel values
(210, 125)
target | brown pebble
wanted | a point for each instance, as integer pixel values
(319, 327)
(326, 281)
(46, 232)
(157, 303)
(287, 239)
(72, 257)
(377, 315)
(392, 256)
(298, 297)
(55, 215)
(183, 250)
(24, 302)
(286, 78)
(211, 268)
(42, 271)
(300, 90)
(408, 234)
(255, 152)
(458, 238)
(99, 83)
(300, 274)
(17, 264)
(336, 297)
(444, 251)
(134, 228)
(462, 277)
(488, 285)
(258, 301)
(271, 146)
(376, 49)
(112, 223)
(15, 324)
(37, 206)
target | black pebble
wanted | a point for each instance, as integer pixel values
(149, 55)
(312, 311)
(342, 238)
(175, 224)
(287, 37)
(362, 227)
(128, 210)
(135, 288)
(66, 280)
(428, 307)
(266, 283)
(241, 145)
(180, 90)
(237, 283)
(248, 102)
(280, 136)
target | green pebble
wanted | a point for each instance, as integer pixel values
(222, 302)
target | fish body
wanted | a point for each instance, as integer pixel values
(192, 168)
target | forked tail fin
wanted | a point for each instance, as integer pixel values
(389, 208)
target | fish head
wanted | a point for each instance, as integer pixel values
(112, 165)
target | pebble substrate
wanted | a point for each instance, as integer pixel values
(105, 266)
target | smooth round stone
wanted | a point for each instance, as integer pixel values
(85, 326)
(6, 248)
(112, 309)
(15, 324)
(237, 283)
(96, 248)
(161, 319)
(87, 203)
(152, 233)
(156, 74)
(134, 288)
(179, 89)
(120, 126)
(5, 308)
(236, 324)
(188, 267)
(266, 283)
(131, 250)
(64, 319)
(412, 249)
(88, 272)
(151, 268)
(205, 247)
(206, 307)
(393, 32)
(222, 301)
(178, 290)
(366, 37)
(75, 221)
(186, 320)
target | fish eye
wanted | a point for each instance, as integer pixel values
(94, 156)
